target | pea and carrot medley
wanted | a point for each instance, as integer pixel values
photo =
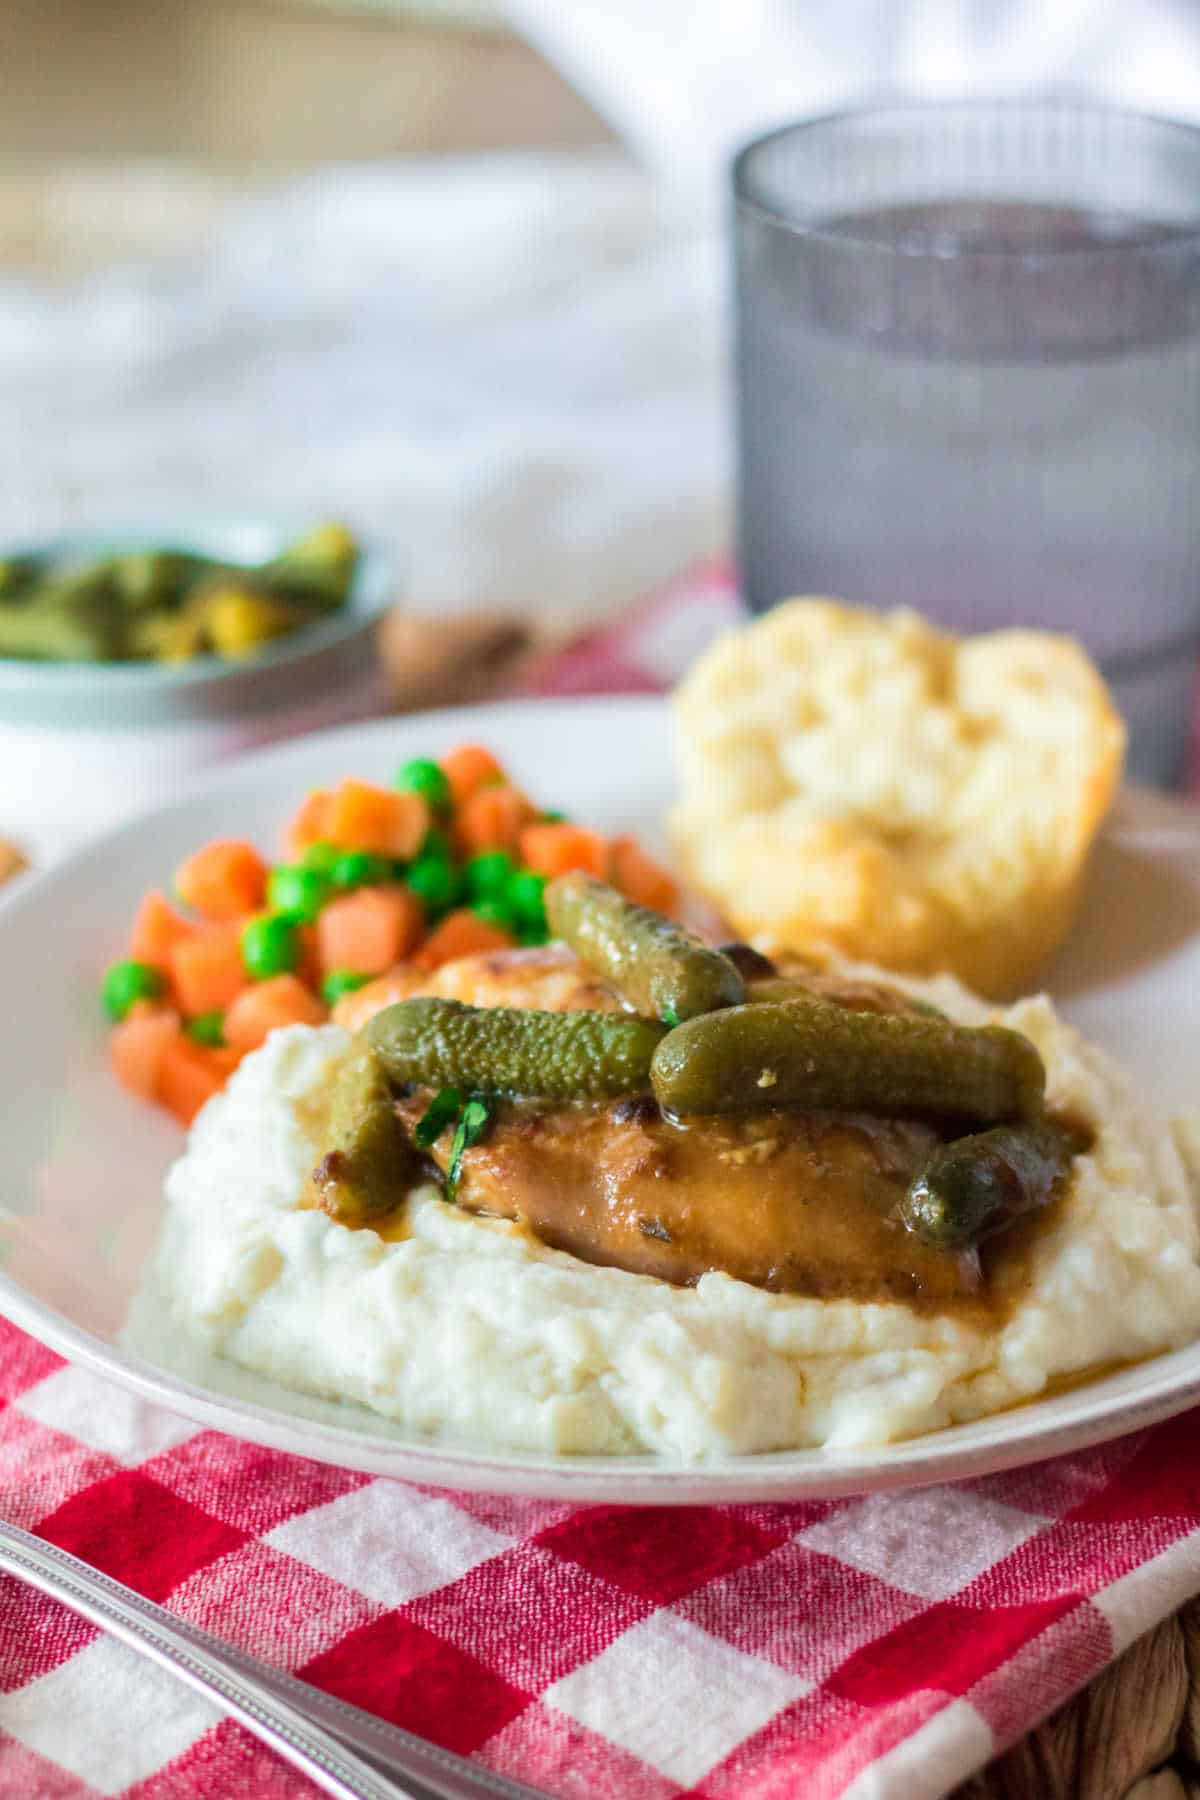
(452, 859)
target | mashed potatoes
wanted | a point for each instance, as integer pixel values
(470, 1330)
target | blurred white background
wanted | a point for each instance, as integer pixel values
(462, 282)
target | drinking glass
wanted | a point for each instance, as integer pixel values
(968, 357)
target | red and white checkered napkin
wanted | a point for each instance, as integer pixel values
(882, 1647)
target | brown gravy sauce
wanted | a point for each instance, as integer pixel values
(793, 1203)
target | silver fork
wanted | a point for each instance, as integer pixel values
(327, 1739)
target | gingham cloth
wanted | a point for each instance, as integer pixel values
(883, 1646)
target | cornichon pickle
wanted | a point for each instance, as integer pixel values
(146, 579)
(662, 970)
(813, 1054)
(317, 569)
(368, 1162)
(978, 1185)
(18, 573)
(67, 629)
(499, 1049)
(167, 603)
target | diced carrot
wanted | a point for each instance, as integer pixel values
(266, 1005)
(157, 928)
(150, 1009)
(400, 983)
(369, 930)
(192, 1073)
(467, 768)
(137, 1046)
(639, 877)
(207, 970)
(386, 821)
(308, 823)
(309, 966)
(556, 849)
(492, 819)
(461, 933)
(223, 880)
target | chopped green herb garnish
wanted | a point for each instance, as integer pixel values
(472, 1126)
(670, 1017)
(442, 1110)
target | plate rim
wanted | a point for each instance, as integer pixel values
(1167, 1383)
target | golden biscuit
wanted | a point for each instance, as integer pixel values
(861, 782)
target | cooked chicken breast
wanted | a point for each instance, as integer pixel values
(549, 978)
(801, 1203)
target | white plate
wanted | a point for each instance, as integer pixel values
(81, 1164)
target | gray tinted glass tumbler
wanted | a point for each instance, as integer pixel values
(969, 372)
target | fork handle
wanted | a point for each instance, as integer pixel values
(308, 1747)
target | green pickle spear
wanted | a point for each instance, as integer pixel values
(54, 634)
(73, 617)
(812, 1054)
(661, 969)
(17, 574)
(168, 604)
(979, 1185)
(146, 579)
(317, 569)
(506, 1050)
(367, 1163)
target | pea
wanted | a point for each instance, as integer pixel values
(321, 856)
(435, 881)
(525, 894)
(436, 844)
(299, 892)
(358, 868)
(532, 935)
(125, 982)
(339, 982)
(496, 912)
(421, 776)
(270, 945)
(488, 875)
(207, 1028)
